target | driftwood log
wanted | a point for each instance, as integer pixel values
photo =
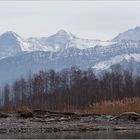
(127, 116)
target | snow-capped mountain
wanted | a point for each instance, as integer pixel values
(62, 40)
(131, 34)
(64, 50)
(52, 43)
(11, 44)
(100, 58)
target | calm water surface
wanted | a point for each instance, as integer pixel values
(76, 135)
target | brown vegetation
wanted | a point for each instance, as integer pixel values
(74, 89)
(25, 112)
(113, 107)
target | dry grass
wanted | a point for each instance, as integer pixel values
(114, 107)
(108, 107)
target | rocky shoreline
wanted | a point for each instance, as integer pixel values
(46, 121)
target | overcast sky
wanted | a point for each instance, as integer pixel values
(86, 19)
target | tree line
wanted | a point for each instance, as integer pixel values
(67, 89)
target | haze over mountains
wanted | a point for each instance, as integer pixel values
(20, 56)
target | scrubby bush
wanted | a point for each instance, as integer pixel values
(25, 112)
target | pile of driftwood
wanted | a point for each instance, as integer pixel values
(127, 116)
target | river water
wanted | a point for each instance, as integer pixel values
(75, 135)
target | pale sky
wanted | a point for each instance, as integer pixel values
(86, 19)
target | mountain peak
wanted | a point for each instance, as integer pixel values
(137, 28)
(63, 32)
(10, 34)
(131, 34)
(11, 43)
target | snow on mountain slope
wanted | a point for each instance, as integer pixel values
(64, 50)
(52, 43)
(129, 62)
(11, 44)
(100, 58)
(131, 34)
(87, 43)
(62, 40)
